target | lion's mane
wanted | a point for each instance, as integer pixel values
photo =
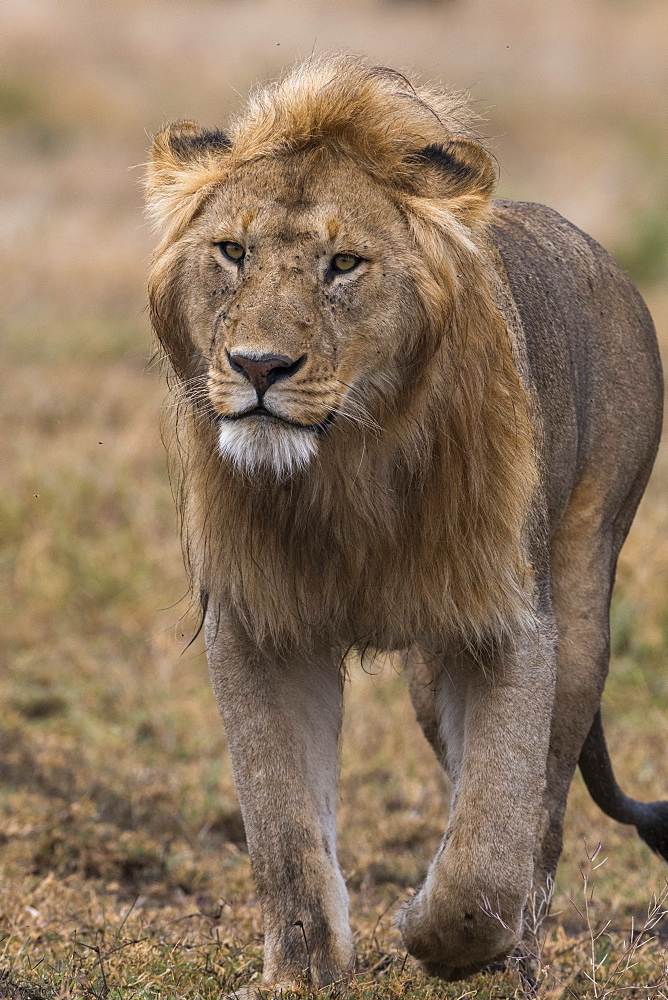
(417, 526)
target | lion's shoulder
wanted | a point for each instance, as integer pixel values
(569, 291)
(588, 339)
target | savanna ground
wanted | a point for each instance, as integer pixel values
(123, 870)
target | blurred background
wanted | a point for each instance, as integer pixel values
(114, 783)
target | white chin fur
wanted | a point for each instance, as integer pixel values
(259, 443)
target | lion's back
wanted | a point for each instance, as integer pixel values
(591, 353)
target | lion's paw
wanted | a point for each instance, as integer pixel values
(258, 991)
(449, 944)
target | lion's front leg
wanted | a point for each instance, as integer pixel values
(282, 719)
(495, 718)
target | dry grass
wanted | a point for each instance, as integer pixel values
(123, 871)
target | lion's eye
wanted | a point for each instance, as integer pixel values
(233, 251)
(344, 262)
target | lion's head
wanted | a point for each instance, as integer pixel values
(300, 284)
(326, 303)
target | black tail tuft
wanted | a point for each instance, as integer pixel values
(654, 828)
(649, 818)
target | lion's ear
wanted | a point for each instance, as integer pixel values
(460, 171)
(185, 161)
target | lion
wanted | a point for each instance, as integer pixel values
(408, 418)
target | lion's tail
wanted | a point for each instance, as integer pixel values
(649, 818)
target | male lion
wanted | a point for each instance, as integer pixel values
(409, 418)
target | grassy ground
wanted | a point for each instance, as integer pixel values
(123, 869)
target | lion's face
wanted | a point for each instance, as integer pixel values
(300, 302)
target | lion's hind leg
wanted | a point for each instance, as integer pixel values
(582, 573)
(584, 555)
(421, 673)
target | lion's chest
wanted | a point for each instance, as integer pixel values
(380, 591)
(303, 572)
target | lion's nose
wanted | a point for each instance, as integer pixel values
(265, 369)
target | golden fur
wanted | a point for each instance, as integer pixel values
(421, 509)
